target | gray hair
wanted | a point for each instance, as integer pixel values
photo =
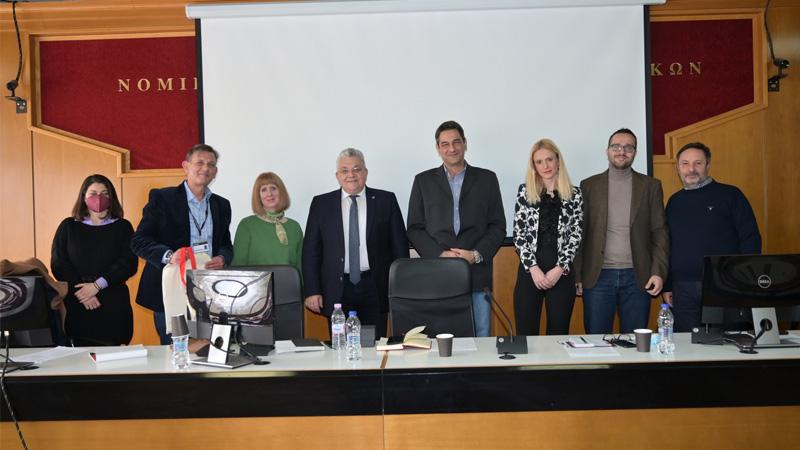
(201, 148)
(351, 153)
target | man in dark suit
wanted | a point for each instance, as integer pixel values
(623, 256)
(352, 237)
(182, 216)
(456, 211)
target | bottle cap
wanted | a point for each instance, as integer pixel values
(664, 306)
(179, 325)
(351, 314)
(337, 306)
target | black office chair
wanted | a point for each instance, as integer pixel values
(288, 297)
(435, 292)
(25, 312)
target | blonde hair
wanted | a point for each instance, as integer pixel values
(264, 179)
(534, 183)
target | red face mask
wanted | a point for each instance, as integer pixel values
(97, 203)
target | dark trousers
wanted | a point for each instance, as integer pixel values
(160, 321)
(528, 301)
(687, 304)
(363, 298)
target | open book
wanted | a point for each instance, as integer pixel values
(415, 338)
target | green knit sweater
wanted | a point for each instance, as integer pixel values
(256, 243)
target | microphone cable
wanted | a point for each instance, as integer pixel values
(13, 84)
(5, 394)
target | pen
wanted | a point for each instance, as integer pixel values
(584, 340)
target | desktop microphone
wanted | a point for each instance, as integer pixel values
(766, 325)
(508, 345)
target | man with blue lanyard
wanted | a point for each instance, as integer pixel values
(182, 216)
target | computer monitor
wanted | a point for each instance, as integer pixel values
(739, 291)
(243, 298)
(25, 311)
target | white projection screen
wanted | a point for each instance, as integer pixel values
(285, 87)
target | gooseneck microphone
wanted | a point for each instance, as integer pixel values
(509, 345)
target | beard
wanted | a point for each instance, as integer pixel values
(698, 180)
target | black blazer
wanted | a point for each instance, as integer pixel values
(483, 222)
(165, 226)
(323, 245)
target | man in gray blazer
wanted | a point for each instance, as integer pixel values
(456, 211)
(623, 256)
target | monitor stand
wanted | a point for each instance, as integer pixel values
(771, 337)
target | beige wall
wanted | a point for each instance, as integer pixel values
(40, 171)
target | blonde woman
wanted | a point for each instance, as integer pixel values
(547, 233)
(268, 236)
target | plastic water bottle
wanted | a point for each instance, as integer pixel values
(353, 330)
(180, 352)
(666, 345)
(337, 328)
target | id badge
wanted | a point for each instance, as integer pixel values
(201, 247)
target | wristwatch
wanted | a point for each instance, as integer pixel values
(476, 255)
(167, 257)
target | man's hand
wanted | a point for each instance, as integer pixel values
(217, 262)
(654, 285)
(91, 303)
(667, 297)
(468, 255)
(539, 279)
(175, 258)
(448, 254)
(85, 291)
(579, 289)
(314, 303)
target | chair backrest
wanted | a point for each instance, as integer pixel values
(288, 297)
(25, 311)
(435, 292)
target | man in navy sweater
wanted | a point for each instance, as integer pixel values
(704, 218)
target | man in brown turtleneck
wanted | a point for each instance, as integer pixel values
(623, 257)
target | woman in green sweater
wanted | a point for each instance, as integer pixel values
(268, 237)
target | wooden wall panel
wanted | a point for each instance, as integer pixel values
(504, 278)
(738, 157)
(307, 433)
(135, 193)
(743, 428)
(59, 168)
(16, 172)
(782, 137)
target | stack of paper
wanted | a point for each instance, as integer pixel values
(298, 345)
(118, 353)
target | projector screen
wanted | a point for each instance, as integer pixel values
(285, 87)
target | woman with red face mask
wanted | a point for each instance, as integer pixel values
(91, 251)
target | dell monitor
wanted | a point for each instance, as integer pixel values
(243, 298)
(744, 291)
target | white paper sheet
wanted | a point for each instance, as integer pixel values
(51, 354)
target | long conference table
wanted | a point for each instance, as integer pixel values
(702, 397)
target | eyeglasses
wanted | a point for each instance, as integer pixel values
(613, 339)
(627, 148)
(357, 170)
